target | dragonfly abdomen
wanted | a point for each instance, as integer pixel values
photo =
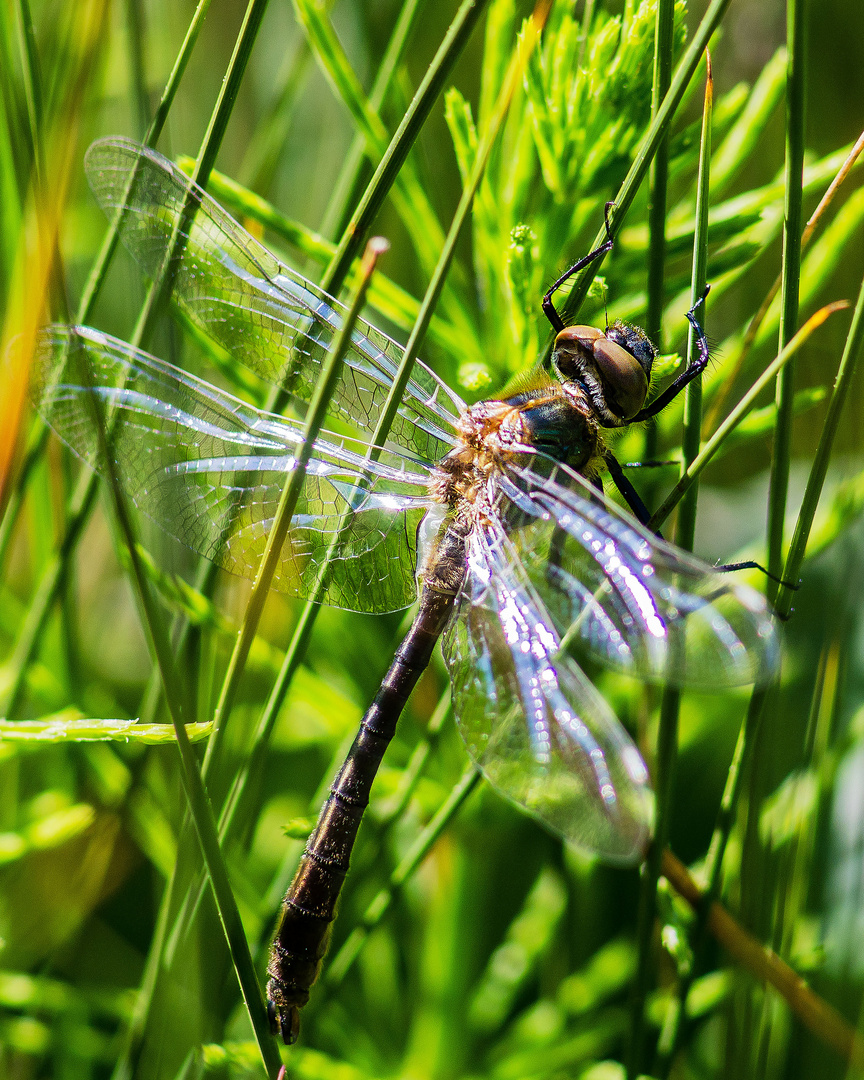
(310, 904)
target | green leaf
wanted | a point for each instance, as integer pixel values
(60, 728)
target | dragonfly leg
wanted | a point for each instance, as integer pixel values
(630, 495)
(749, 564)
(547, 305)
(696, 368)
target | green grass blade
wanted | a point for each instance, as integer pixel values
(32, 85)
(648, 147)
(816, 478)
(658, 185)
(403, 139)
(324, 389)
(82, 499)
(340, 201)
(659, 179)
(667, 734)
(738, 146)
(160, 288)
(782, 452)
(65, 728)
(136, 49)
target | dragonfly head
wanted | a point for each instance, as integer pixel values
(614, 367)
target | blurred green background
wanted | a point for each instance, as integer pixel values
(505, 954)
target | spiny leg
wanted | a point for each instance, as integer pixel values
(547, 305)
(629, 493)
(696, 368)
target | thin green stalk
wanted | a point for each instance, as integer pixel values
(32, 86)
(666, 755)
(747, 740)
(686, 531)
(97, 274)
(333, 221)
(743, 407)
(341, 963)
(331, 369)
(406, 134)
(648, 148)
(136, 44)
(795, 110)
(14, 110)
(667, 737)
(197, 798)
(124, 1067)
(658, 183)
(789, 292)
(795, 857)
(819, 469)
(82, 500)
(729, 801)
(409, 196)
(160, 289)
(750, 730)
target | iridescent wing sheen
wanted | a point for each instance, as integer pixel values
(628, 598)
(209, 469)
(540, 732)
(267, 316)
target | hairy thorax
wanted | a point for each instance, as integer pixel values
(554, 419)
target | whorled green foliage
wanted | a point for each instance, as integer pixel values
(569, 138)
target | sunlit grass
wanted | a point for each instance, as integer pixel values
(469, 942)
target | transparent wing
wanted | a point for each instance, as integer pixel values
(634, 601)
(540, 732)
(270, 318)
(210, 469)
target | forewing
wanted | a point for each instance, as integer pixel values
(537, 728)
(210, 470)
(632, 600)
(267, 316)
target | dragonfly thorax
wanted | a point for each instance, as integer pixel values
(544, 418)
(612, 368)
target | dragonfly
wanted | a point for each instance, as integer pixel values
(492, 518)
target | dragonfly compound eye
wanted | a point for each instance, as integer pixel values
(583, 351)
(573, 346)
(623, 376)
